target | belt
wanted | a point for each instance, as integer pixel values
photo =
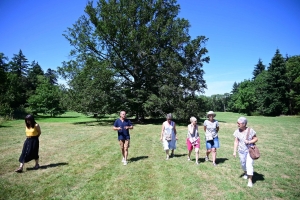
(31, 136)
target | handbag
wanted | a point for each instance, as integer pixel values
(193, 141)
(168, 137)
(253, 150)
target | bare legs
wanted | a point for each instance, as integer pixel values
(214, 154)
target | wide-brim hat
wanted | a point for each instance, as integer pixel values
(211, 113)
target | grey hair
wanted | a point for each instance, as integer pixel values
(242, 120)
(193, 119)
(169, 116)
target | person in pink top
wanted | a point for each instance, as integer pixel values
(193, 139)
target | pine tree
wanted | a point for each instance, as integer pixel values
(259, 67)
(276, 100)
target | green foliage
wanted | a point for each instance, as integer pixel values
(271, 92)
(92, 89)
(259, 68)
(244, 100)
(276, 97)
(293, 77)
(46, 98)
(146, 47)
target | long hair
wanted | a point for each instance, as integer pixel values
(32, 121)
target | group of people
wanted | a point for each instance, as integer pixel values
(211, 129)
(168, 137)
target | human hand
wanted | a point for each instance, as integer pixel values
(160, 138)
(119, 128)
(234, 154)
(246, 141)
(176, 138)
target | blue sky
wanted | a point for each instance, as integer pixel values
(239, 31)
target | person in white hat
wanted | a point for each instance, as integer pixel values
(211, 129)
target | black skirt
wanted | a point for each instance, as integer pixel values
(30, 150)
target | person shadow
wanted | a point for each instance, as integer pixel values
(137, 158)
(179, 155)
(256, 177)
(48, 166)
(218, 160)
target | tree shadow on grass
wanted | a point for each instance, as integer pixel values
(56, 117)
(4, 126)
(96, 123)
(159, 121)
(138, 158)
(49, 166)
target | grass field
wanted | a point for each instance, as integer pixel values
(80, 159)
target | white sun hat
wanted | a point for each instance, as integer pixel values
(211, 113)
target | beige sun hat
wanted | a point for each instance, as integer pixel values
(211, 113)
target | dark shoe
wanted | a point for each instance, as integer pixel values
(36, 167)
(172, 155)
(19, 170)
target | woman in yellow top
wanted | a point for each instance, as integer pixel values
(31, 145)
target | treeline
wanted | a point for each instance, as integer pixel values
(26, 88)
(272, 91)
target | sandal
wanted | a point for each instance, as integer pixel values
(36, 167)
(19, 170)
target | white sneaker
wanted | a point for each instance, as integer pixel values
(197, 163)
(206, 158)
(123, 159)
(167, 158)
(125, 163)
(245, 176)
(189, 159)
(250, 184)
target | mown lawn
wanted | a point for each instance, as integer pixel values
(80, 159)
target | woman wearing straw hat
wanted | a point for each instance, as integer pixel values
(211, 129)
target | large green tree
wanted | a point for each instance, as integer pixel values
(46, 98)
(244, 100)
(276, 100)
(148, 49)
(32, 78)
(91, 87)
(293, 81)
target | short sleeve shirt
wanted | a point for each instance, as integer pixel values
(211, 128)
(241, 136)
(123, 134)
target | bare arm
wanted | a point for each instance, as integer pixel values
(236, 142)
(254, 140)
(38, 128)
(162, 131)
(117, 128)
(175, 132)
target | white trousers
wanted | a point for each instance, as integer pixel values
(247, 163)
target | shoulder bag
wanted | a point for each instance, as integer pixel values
(253, 150)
